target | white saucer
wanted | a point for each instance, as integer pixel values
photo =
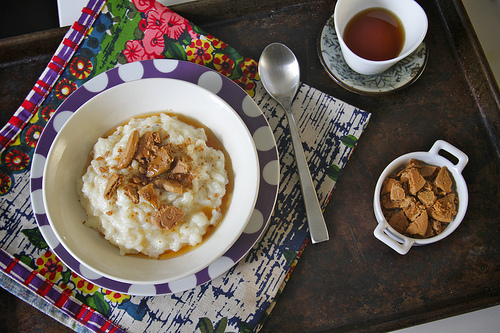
(397, 77)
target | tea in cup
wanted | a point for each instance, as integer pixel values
(376, 34)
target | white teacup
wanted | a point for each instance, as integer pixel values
(411, 15)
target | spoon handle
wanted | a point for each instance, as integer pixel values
(315, 219)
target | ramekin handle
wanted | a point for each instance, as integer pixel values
(396, 246)
(443, 145)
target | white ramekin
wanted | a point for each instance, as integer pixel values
(401, 243)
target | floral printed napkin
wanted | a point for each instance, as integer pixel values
(109, 34)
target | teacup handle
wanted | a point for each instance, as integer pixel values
(396, 246)
(443, 145)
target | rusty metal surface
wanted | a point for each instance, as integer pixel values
(22, 60)
(354, 282)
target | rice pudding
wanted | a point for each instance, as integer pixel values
(154, 185)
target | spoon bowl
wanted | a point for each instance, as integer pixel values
(280, 74)
(279, 71)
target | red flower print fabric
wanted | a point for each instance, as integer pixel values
(162, 33)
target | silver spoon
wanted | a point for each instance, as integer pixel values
(280, 74)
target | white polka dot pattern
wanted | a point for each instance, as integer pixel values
(88, 273)
(219, 266)
(37, 166)
(60, 119)
(250, 108)
(210, 81)
(183, 284)
(130, 72)
(263, 139)
(37, 202)
(165, 66)
(97, 84)
(137, 289)
(256, 222)
(49, 236)
(271, 169)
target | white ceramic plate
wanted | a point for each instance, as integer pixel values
(68, 158)
(92, 256)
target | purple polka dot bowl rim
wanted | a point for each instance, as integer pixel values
(160, 76)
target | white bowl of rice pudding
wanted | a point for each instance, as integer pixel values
(151, 181)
